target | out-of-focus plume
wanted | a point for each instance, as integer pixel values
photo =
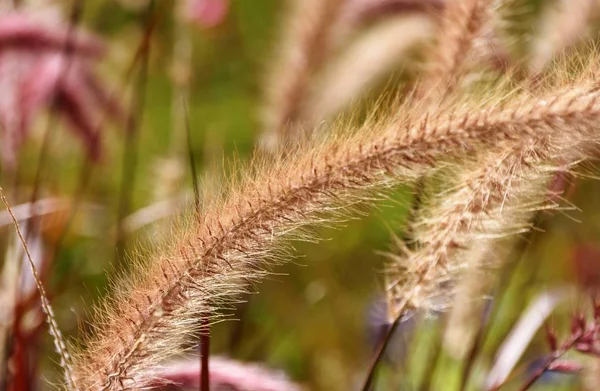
(225, 374)
(205, 13)
(44, 63)
(464, 34)
(561, 26)
(307, 42)
(329, 60)
(363, 64)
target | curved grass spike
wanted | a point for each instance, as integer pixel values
(462, 25)
(462, 318)
(54, 330)
(212, 259)
(492, 200)
(508, 182)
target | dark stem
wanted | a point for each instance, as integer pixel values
(407, 238)
(205, 325)
(549, 360)
(379, 354)
(205, 355)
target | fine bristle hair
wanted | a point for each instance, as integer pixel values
(559, 29)
(216, 256)
(492, 201)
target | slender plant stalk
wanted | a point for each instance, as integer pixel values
(205, 335)
(214, 258)
(381, 349)
(59, 342)
(562, 25)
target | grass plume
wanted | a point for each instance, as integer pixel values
(155, 310)
(54, 330)
(307, 42)
(414, 276)
(492, 201)
(561, 26)
(463, 26)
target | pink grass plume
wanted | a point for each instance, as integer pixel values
(227, 374)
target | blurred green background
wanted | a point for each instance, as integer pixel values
(316, 317)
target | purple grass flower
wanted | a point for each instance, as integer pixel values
(48, 65)
(226, 374)
(206, 13)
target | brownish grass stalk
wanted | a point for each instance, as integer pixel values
(211, 259)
